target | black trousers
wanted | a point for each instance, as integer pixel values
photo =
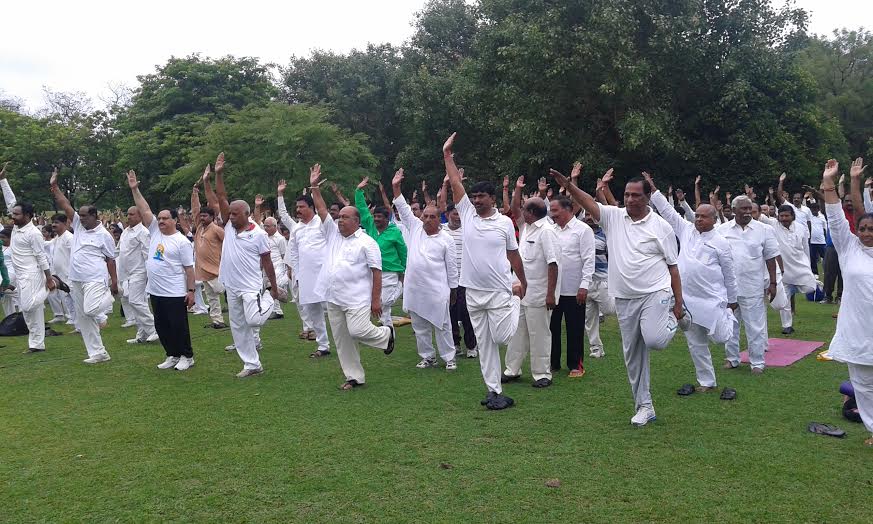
(816, 253)
(171, 323)
(575, 314)
(459, 313)
(832, 274)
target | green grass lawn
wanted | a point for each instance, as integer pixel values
(124, 441)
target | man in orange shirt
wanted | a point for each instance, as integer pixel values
(208, 239)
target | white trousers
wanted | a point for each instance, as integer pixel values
(698, 347)
(643, 323)
(137, 305)
(199, 303)
(32, 295)
(69, 307)
(313, 316)
(281, 283)
(494, 315)
(392, 289)
(213, 290)
(248, 310)
(56, 302)
(533, 337)
(295, 297)
(862, 380)
(598, 302)
(351, 326)
(752, 313)
(91, 300)
(425, 332)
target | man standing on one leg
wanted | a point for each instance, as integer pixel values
(493, 307)
(208, 239)
(170, 280)
(244, 254)
(32, 271)
(576, 244)
(754, 249)
(390, 240)
(351, 282)
(132, 278)
(304, 258)
(92, 264)
(709, 285)
(431, 280)
(539, 250)
(643, 278)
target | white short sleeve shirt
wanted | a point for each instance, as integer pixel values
(168, 257)
(91, 248)
(484, 265)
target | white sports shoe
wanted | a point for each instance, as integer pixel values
(451, 365)
(103, 357)
(644, 415)
(152, 338)
(169, 363)
(426, 363)
(128, 324)
(57, 319)
(230, 348)
(597, 353)
(472, 353)
(184, 363)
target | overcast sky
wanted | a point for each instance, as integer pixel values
(84, 46)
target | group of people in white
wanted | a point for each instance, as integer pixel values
(550, 264)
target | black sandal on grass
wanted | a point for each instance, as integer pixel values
(350, 384)
(319, 353)
(825, 429)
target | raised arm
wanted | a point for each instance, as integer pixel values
(60, 199)
(515, 206)
(667, 212)
(868, 195)
(315, 182)
(507, 205)
(363, 209)
(581, 197)
(286, 219)
(385, 201)
(696, 191)
(195, 201)
(259, 210)
(443, 196)
(855, 173)
(607, 192)
(141, 205)
(780, 192)
(452, 170)
(220, 193)
(8, 194)
(339, 194)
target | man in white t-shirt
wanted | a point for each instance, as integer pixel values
(92, 265)
(170, 268)
(485, 273)
(351, 283)
(643, 278)
(63, 244)
(133, 251)
(245, 252)
(818, 228)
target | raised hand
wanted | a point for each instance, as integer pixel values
(280, 188)
(648, 178)
(363, 183)
(461, 172)
(447, 147)
(131, 179)
(3, 171)
(607, 177)
(315, 175)
(205, 177)
(680, 195)
(219, 164)
(446, 178)
(832, 167)
(550, 193)
(559, 178)
(259, 200)
(53, 181)
(542, 185)
(577, 170)
(716, 190)
(398, 177)
(782, 177)
(857, 168)
(842, 178)
(423, 186)
(519, 182)
(727, 196)
(697, 180)
(506, 182)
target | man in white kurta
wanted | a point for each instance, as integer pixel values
(278, 245)
(133, 251)
(431, 280)
(539, 249)
(709, 285)
(754, 249)
(351, 281)
(291, 224)
(305, 256)
(491, 300)
(34, 279)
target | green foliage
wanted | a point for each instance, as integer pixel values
(265, 144)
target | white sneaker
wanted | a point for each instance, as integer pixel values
(249, 372)
(230, 348)
(472, 353)
(451, 365)
(59, 318)
(152, 338)
(128, 324)
(184, 363)
(169, 363)
(644, 415)
(102, 357)
(597, 353)
(426, 363)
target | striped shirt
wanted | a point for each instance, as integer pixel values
(601, 256)
(458, 236)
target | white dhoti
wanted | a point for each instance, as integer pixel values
(533, 337)
(392, 289)
(351, 326)
(494, 315)
(91, 300)
(136, 305)
(32, 294)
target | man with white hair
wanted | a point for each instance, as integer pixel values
(278, 245)
(133, 251)
(431, 280)
(92, 265)
(709, 285)
(245, 252)
(754, 250)
(351, 282)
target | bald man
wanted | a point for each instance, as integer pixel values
(133, 251)
(278, 244)
(709, 285)
(245, 252)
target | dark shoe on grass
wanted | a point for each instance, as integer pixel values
(490, 396)
(685, 390)
(506, 379)
(34, 350)
(542, 383)
(788, 330)
(499, 402)
(728, 394)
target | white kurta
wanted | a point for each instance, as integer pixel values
(305, 256)
(61, 255)
(706, 266)
(794, 248)
(751, 246)
(431, 269)
(853, 341)
(278, 246)
(30, 262)
(133, 250)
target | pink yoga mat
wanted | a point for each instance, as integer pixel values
(784, 352)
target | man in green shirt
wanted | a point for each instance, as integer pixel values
(390, 240)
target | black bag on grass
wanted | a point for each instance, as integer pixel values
(13, 326)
